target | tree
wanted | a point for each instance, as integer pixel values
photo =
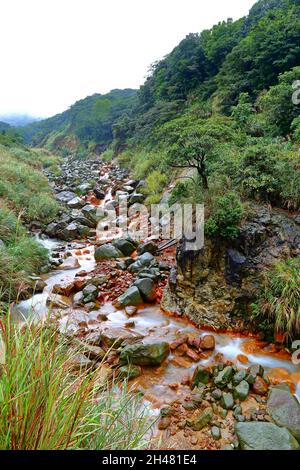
(192, 152)
(277, 105)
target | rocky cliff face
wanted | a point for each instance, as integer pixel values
(215, 286)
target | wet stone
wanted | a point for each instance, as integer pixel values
(216, 433)
(241, 391)
(227, 401)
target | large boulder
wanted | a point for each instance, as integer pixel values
(224, 377)
(264, 436)
(201, 419)
(65, 196)
(90, 293)
(70, 263)
(241, 391)
(71, 231)
(210, 288)
(150, 353)
(284, 408)
(201, 375)
(147, 289)
(91, 213)
(124, 245)
(131, 297)
(146, 259)
(137, 198)
(55, 229)
(147, 247)
(76, 203)
(78, 217)
(107, 251)
(116, 336)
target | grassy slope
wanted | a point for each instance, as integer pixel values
(24, 196)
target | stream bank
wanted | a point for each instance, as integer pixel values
(188, 375)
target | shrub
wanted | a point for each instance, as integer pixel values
(227, 213)
(19, 257)
(155, 184)
(180, 193)
(270, 172)
(108, 155)
(278, 305)
(295, 127)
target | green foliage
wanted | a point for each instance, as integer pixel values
(89, 120)
(46, 406)
(243, 112)
(25, 195)
(269, 172)
(270, 48)
(178, 73)
(23, 185)
(277, 106)
(20, 256)
(295, 127)
(278, 304)
(155, 184)
(226, 214)
(220, 40)
(108, 155)
(180, 193)
(192, 152)
(8, 136)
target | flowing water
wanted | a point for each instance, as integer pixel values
(160, 384)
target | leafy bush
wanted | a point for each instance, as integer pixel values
(180, 193)
(226, 215)
(295, 127)
(46, 406)
(279, 301)
(277, 106)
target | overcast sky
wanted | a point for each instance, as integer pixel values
(54, 52)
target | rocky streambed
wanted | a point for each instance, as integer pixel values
(209, 390)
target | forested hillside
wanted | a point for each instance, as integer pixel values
(88, 122)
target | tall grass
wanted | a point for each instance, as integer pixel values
(20, 256)
(46, 405)
(279, 301)
(23, 186)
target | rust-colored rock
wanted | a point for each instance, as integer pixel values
(192, 355)
(178, 342)
(194, 342)
(164, 423)
(243, 359)
(260, 387)
(208, 342)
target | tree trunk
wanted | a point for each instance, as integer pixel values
(203, 178)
